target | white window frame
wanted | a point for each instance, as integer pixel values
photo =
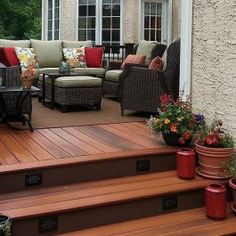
(166, 20)
(53, 21)
(98, 36)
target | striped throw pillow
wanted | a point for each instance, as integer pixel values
(134, 59)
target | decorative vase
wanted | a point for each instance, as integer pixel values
(64, 68)
(172, 139)
(232, 184)
(27, 83)
(215, 201)
(5, 226)
(185, 163)
(212, 160)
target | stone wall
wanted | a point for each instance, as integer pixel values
(214, 60)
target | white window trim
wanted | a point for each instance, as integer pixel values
(98, 37)
(45, 22)
(166, 24)
(186, 47)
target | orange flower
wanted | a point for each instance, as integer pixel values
(173, 128)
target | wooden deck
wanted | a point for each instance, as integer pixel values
(22, 146)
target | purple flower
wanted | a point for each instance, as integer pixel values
(199, 118)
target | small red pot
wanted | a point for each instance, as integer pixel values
(186, 163)
(215, 201)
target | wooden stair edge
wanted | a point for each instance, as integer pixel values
(111, 198)
(57, 163)
(187, 222)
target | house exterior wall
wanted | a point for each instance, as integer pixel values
(131, 20)
(213, 60)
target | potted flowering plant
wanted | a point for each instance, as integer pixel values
(215, 148)
(176, 122)
(28, 75)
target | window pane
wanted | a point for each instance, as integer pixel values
(82, 2)
(106, 10)
(91, 10)
(146, 22)
(116, 1)
(116, 22)
(152, 35)
(49, 35)
(82, 11)
(57, 13)
(82, 35)
(49, 14)
(153, 22)
(159, 22)
(49, 4)
(82, 22)
(56, 24)
(146, 8)
(106, 2)
(158, 35)
(116, 10)
(146, 34)
(106, 22)
(91, 35)
(56, 35)
(106, 35)
(159, 8)
(91, 22)
(153, 9)
(49, 25)
(116, 35)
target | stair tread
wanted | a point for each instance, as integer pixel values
(189, 222)
(39, 202)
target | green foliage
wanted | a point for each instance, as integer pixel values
(20, 19)
(230, 167)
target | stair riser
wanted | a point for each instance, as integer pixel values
(97, 216)
(92, 171)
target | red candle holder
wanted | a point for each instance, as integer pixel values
(185, 163)
(215, 201)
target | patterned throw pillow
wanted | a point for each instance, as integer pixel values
(134, 59)
(75, 57)
(26, 57)
(156, 64)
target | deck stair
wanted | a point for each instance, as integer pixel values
(131, 190)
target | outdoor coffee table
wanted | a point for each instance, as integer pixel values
(15, 113)
(52, 76)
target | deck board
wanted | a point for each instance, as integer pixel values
(22, 146)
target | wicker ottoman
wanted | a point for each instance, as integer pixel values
(74, 90)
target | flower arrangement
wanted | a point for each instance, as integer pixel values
(177, 118)
(216, 136)
(29, 73)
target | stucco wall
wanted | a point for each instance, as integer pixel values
(214, 60)
(176, 19)
(131, 21)
(68, 20)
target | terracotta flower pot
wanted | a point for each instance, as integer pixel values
(212, 160)
(232, 184)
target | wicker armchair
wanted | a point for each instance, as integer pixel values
(12, 79)
(140, 88)
(111, 86)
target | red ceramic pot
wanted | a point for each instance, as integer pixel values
(232, 184)
(215, 201)
(186, 163)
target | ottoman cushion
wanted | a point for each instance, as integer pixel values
(78, 81)
(113, 75)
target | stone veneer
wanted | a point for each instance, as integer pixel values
(214, 60)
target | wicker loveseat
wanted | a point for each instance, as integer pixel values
(113, 73)
(140, 87)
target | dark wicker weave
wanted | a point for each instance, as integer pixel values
(13, 79)
(112, 87)
(74, 96)
(140, 88)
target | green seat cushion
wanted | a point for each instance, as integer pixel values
(14, 43)
(78, 81)
(76, 44)
(48, 53)
(113, 75)
(145, 48)
(98, 72)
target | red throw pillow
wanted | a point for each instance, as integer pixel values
(156, 64)
(134, 59)
(94, 57)
(8, 56)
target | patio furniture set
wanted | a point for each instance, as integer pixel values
(137, 86)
